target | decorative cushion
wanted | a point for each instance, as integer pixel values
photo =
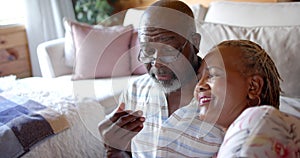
(262, 132)
(100, 51)
(199, 13)
(281, 42)
(290, 105)
(254, 13)
(69, 47)
(134, 15)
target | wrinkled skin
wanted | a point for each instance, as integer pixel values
(120, 128)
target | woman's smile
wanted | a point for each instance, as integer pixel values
(204, 100)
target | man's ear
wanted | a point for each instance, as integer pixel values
(196, 38)
(256, 83)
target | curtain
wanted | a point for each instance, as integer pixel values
(43, 23)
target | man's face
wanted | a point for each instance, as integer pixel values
(168, 53)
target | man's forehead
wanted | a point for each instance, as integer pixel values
(169, 19)
(153, 30)
(150, 34)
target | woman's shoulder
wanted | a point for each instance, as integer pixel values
(260, 130)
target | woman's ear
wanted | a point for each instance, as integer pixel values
(196, 40)
(256, 83)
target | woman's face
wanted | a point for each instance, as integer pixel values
(222, 90)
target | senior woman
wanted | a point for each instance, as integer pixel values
(235, 75)
(239, 90)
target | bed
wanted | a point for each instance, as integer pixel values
(81, 101)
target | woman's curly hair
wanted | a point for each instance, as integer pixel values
(257, 61)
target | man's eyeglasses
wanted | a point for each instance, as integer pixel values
(146, 54)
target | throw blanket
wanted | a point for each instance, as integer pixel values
(24, 122)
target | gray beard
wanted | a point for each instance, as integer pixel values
(168, 86)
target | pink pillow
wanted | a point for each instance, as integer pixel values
(101, 52)
(137, 68)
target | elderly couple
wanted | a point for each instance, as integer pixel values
(184, 105)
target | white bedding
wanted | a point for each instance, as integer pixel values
(84, 103)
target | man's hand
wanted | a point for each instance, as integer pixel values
(118, 130)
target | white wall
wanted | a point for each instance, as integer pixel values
(44, 23)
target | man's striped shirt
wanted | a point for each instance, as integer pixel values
(180, 135)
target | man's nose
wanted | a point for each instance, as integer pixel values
(157, 63)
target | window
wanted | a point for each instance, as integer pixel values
(12, 12)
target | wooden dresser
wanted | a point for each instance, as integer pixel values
(14, 52)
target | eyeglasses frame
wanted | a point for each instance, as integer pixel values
(176, 56)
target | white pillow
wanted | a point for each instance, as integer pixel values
(254, 13)
(69, 44)
(199, 12)
(134, 15)
(290, 105)
(281, 42)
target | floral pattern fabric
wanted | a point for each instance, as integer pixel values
(262, 132)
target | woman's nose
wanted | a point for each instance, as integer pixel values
(202, 85)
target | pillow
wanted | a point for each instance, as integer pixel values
(199, 12)
(69, 47)
(133, 15)
(290, 105)
(262, 132)
(254, 13)
(101, 52)
(281, 42)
